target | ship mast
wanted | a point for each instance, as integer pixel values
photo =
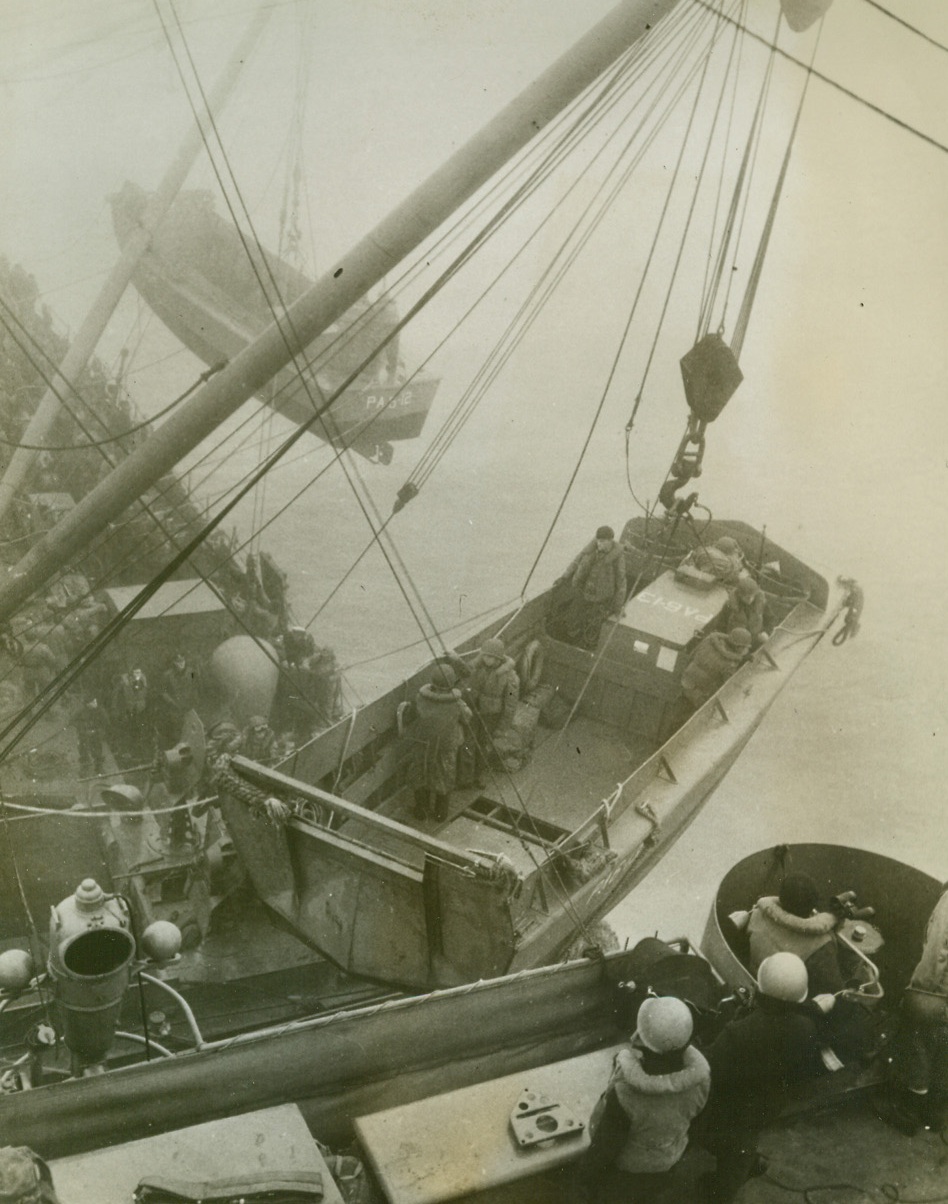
(378, 253)
(96, 320)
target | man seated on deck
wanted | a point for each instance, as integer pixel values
(791, 922)
(591, 589)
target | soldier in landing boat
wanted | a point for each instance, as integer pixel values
(747, 607)
(493, 691)
(591, 589)
(436, 736)
(721, 561)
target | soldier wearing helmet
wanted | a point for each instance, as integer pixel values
(713, 662)
(754, 1062)
(435, 736)
(721, 561)
(24, 1177)
(258, 741)
(493, 692)
(747, 607)
(661, 1083)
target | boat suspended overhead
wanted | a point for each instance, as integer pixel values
(334, 293)
(211, 287)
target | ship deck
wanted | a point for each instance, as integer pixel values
(843, 1152)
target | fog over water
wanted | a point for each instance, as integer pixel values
(837, 440)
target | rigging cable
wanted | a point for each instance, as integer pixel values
(741, 199)
(660, 226)
(549, 281)
(743, 318)
(706, 286)
(832, 83)
(691, 210)
(93, 443)
(924, 36)
(739, 194)
(282, 319)
(602, 399)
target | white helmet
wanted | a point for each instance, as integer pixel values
(664, 1023)
(783, 976)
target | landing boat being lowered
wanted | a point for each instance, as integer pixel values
(217, 290)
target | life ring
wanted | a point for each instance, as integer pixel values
(530, 667)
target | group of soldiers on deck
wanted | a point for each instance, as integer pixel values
(453, 729)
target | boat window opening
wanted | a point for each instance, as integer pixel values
(641, 646)
(667, 659)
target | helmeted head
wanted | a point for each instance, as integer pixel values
(138, 679)
(747, 588)
(664, 1024)
(258, 723)
(443, 677)
(740, 639)
(783, 976)
(729, 546)
(24, 1177)
(493, 649)
(604, 537)
(799, 895)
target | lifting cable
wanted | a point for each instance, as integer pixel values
(743, 318)
(704, 64)
(741, 198)
(456, 420)
(733, 226)
(706, 286)
(691, 210)
(529, 310)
